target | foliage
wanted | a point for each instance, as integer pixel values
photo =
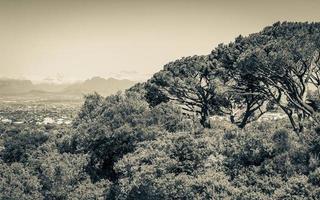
(142, 144)
(189, 82)
(117, 125)
(17, 147)
(280, 65)
(18, 182)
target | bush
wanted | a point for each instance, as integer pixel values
(315, 177)
(18, 147)
(19, 182)
(172, 167)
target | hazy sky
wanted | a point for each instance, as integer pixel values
(77, 39)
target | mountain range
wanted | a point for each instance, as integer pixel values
(96, 84)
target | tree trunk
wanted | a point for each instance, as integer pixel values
(291, 119)
(245, 119)
(204, 121)
(232, 119)
(301, 117)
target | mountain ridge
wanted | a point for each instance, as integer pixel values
(97, 84)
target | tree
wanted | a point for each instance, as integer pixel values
(283, 69)
(188, 82)
(117, 125)
(243, 103)
(88, 111)
(275, 66)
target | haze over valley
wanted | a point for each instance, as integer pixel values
(95, 84)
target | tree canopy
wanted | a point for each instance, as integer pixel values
(246, 78)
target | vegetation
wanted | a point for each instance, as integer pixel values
(156, 140)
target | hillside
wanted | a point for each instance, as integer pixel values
(156, 141)
(12, 86)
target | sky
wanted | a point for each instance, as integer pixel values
(69, 40)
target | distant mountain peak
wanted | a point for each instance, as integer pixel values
(101, 85)
(96, 78)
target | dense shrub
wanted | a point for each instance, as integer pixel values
(19, 146)
(175, 166)
(19, 182)
(117, 124)
(159, 158)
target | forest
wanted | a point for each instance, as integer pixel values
(192, 131)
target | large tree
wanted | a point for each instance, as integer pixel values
(191, 83)
(274, 66)
(283, 69)
(243, 103)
